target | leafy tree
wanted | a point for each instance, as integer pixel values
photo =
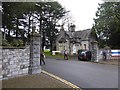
(107, 24)
(6, 17)
(47, 14)
(14, 16)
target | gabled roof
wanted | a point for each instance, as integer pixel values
(62, 36)
(83, 35)
(75, 36)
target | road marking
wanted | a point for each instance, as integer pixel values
(62, 80)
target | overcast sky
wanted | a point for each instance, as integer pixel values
(82, 11)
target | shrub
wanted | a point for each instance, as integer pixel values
(17, 43)
(20, 42)
(5, 42)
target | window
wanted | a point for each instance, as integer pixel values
(85, 46)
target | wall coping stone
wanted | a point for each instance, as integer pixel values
(5, 47)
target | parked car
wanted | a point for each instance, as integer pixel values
(84, 55)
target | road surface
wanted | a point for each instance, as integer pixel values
(84, 74)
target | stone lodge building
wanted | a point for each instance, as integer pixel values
(72, 40)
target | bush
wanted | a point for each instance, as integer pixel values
(5, 42)
(17, 43)
(20, 42)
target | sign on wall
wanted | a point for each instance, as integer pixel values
(115, 53)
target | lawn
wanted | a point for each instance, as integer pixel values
(57, 55)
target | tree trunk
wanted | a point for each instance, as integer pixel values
(8, 32)
(17, 23)
(4, 36)
(51, 46)
(28, 33)
(43, 41)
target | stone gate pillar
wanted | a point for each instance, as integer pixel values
(34, 66)
(95, 51)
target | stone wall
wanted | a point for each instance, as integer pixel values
(14, 61)
(21, 61)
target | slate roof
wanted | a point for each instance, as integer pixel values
(63, 36)
(83, 35)
(76, 36)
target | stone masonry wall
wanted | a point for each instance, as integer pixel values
(15, 62)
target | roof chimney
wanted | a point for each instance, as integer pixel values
(72, 28)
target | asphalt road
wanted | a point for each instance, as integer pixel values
(84, 74)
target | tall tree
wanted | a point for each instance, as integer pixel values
(46, 14)
(107, 24)
(14, 16)
(49, 14)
